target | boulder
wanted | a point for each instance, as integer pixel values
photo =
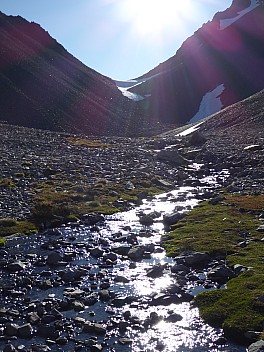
(256, 346)
(16, 266)
(172, 156)
(156, 270)
(136, 253)
(170, 219)
(221, 274)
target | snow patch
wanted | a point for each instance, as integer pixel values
(190, 130)
(228, 21)
(130, 95)
(123, 86)
(210, 104)
(134, 82)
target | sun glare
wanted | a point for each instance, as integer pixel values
(155, 16)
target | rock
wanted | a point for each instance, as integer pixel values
(238, 269)
(156, 270)
(196, 139)
(171, 219)
(47, 331)
(194, 259)
(54, 258)
(11, 329)
(125, 341)
(129, 185)
(146, 220)
(9, 348)
(136, 253)
(260, 228)
(97, 252)
(92, 219)
(25, 331)
(256, 346)
(122, 279)
(221, 274)
(104, 295)
(40, 348)
(172, 156)
(16, 266)
(180, 268)
(173, 318)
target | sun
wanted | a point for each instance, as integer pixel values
(155, 16)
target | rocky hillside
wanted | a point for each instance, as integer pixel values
(222, 63)
(43, 86)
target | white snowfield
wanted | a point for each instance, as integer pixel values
(228, 21)
(210, 104)
(125, 85)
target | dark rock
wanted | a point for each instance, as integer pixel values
(16, 266)
(171, 219)
(173, 318)
(136, 253)
(172, 156)
(256, 346)
(156, 270)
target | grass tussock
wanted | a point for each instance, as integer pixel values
(87, 142)
(11, 226)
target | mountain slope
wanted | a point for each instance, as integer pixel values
(43, 86)
(222, 63)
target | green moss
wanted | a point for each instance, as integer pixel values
(7, 183)
(87, 142)
(11, 226)
(55, 199)
(219, 229)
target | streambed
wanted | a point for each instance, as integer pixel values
(81, 287)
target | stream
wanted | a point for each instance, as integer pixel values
(81, 288)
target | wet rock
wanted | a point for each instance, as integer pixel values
(121, 279)
(121, 250)
(136, 253)
(239, 269)
(39, 348)
(256, 346)
(25, 331)
(194, 259)
(16, 266)
(180, 268)
(54, 258)
(47, 331)
(146, 220)
(156, 270)
(171, 219)
(97, 252)
(104, 295)
(92, 219)
(221, 274)
(11, 329)
(125, 341)
(9, 348)
(173, 318)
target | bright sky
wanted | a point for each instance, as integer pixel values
(121, 39)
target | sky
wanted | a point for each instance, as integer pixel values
(121, 39)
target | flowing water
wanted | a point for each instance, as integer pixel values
(129, 313)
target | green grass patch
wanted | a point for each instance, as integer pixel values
(7, 183)
(11, 226)
(87, 142)
(54, 199)
(219, 229)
